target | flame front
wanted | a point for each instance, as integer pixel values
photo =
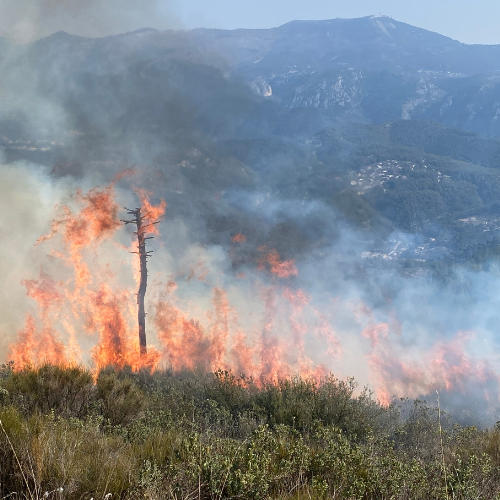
(91, 304)
(87, 304)
(89, 315)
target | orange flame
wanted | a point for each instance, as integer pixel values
(92, 315)
(152, 213)
(94, 305)
(445, 365)
(282, 269)
(239, 238)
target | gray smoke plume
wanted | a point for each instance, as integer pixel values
(27, 197)
(26, 20)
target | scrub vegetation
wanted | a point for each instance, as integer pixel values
(66, 433)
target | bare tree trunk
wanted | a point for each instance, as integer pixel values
(141, 294)
(138, 220)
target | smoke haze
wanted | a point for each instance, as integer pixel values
(27, 20)
(300, 280)
(27, 197)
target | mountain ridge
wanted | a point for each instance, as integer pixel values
(208, 117)
(371, 69)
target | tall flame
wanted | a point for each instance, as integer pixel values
(87, 304)
(89, 315)
(444, 365)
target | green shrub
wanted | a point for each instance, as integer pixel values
(216, 436)
(66, 391)
(121, 399)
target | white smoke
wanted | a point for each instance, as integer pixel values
(27, 198)
(24, 21)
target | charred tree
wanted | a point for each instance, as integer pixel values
(139, 220)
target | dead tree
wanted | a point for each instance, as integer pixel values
(139, 220)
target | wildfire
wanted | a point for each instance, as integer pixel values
(151, 212)
(91, 304)
(87, 304)
(446, 364)
(281, 268)
(90, 314)
(239, 238)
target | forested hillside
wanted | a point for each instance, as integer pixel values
(225, 112)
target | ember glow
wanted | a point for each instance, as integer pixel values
(272, 262)
(239, 238)
(84, 311)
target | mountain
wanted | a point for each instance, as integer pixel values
(378, 69)
(372, 43)
(389, 125)
(372, 68)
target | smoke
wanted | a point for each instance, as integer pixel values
(24, 21)
(401, 334)
(340, 311)
(337, 306)
(27, 197)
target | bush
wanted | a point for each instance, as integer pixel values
(215, 436)
(121, 399)
(66, 391)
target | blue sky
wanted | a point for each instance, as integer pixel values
(468, 21)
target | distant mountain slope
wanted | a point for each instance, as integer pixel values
(370, 43)
(375, 118)
(371, 69)
(375, 43)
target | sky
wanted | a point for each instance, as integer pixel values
(27, 20)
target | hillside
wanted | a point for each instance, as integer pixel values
(369, 211)
(321, 197)
(285, 111)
